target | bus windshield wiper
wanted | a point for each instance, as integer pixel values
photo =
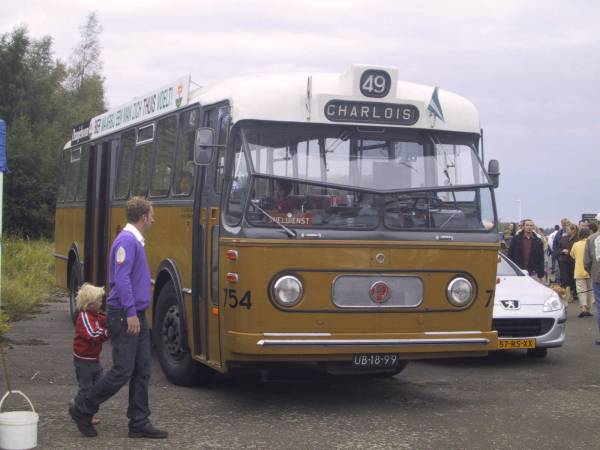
(291, 233)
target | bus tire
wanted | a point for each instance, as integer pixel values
(74, 285)
(177, 364)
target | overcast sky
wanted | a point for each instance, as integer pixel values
(532, 68)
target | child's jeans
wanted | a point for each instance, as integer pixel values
(87, 373)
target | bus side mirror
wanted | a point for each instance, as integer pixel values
(204, 146)
(494, 172)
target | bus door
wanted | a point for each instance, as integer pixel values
(96, 213)
(217, 118)
(87, 190)
(103, 211)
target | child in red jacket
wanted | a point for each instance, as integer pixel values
(90, 332)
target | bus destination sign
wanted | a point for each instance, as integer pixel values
(371, 112)
(80, 133)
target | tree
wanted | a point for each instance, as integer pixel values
(41, 100)
(85, 84)
(30, 102)
(85, 60)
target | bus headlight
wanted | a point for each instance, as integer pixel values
(460, 292)
(287, 290)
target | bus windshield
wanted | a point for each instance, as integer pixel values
(384, 160)
(340, 177)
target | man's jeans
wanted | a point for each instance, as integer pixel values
(131, 363)
(596, 287)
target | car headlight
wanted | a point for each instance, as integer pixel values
(553, 303)
(287, 290)
(460, 292)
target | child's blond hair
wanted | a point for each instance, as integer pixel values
(88, 294)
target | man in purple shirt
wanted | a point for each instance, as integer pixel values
(128, 299)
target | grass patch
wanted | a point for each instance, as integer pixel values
(27, 277)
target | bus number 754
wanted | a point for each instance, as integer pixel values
(231, 299)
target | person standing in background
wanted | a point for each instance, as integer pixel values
(591, 262)
(551, 253)
(566, 264)
(527, 250)
(583, 282)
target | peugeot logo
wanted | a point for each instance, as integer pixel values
(379, 292)
(510, 304)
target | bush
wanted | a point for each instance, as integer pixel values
(27, 277)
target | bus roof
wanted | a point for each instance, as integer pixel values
(363, 95)
(304, 97)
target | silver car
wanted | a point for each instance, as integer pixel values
(527, 314)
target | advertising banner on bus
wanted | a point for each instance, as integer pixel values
(160, 101)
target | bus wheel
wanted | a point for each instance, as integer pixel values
(74, 285)
(177, 364)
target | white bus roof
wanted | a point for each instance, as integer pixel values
(283, 97)
(363, 95)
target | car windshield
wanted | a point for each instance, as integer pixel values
(383, 160)
(507, 269)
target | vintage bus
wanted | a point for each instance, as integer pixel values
(339, 219)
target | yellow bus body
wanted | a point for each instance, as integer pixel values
(318, 263)
(239, 334)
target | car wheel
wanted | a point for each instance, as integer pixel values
(74, 285)
(537, 352)
(177, 364)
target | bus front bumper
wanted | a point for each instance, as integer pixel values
(340, 346)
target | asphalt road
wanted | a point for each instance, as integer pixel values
(503, 401)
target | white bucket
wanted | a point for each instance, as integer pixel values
(18, 429)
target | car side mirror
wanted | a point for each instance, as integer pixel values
(204, 146)
(494, 172)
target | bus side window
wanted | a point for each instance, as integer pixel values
(166, 130)
(184, 159)
(224, 122)
(239, 187)
(73, 158)
(142, 160)
(83, 173)
(124, 163)
(64, 162)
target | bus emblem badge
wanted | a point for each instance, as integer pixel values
(379, 292)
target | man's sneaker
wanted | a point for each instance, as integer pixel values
(597, 341)
(147, 431)
(84, 423)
